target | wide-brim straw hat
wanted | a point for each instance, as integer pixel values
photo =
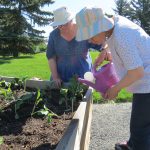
(90, 22)
(61, 16)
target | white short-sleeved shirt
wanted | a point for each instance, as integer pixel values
(130, 48)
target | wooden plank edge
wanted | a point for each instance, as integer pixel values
(7, 79)
(40, 84)
(33, 83)
(75, 135)
(86, 134)
(68, 141)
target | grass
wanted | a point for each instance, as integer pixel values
(37, 66)
(94, 54)
(25, 66)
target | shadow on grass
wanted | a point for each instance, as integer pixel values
(24, 57)
(4, 60)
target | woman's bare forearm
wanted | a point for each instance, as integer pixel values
(130, 78)
(53, 67)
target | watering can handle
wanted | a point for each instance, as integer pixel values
(94, 70)
(101, 58)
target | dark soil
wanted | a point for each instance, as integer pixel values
(31, 133)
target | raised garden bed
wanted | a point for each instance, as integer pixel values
(60, 126)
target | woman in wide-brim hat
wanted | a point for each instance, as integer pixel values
(67, 56)
(130, 48)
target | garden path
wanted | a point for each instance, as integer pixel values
(110, 124)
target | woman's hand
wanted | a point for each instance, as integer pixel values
(112, 93)
(58, 82)
(104, 55)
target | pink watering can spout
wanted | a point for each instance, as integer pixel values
(105, 78)
(89, 83)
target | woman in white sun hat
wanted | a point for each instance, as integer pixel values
(66, 56)
(130, 48)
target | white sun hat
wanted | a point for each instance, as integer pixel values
(61, 16)
(90, 22)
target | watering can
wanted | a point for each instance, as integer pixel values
(105, 78)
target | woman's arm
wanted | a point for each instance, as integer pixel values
(54, 72)
(104, 55)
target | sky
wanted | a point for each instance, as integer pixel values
(75, 6)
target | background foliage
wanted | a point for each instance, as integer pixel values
(136, 10)
(18, 19)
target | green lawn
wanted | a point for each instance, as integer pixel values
(37, 66)
(26, 65)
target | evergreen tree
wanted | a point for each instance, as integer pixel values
(136, 10)
(122, 8)
(140, 13)
(17, 25)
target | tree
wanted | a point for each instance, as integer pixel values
(17, 25)
(136, 10)
(140, 13)
(122, 8)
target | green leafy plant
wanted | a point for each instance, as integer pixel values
(76, 89)
(64, 97)
(22, 100)
(47, 113)
(3, 83)
(7, 93)
(37, 101)
(1, 140)
(18, 83)
(74, 92)
(44, 111)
